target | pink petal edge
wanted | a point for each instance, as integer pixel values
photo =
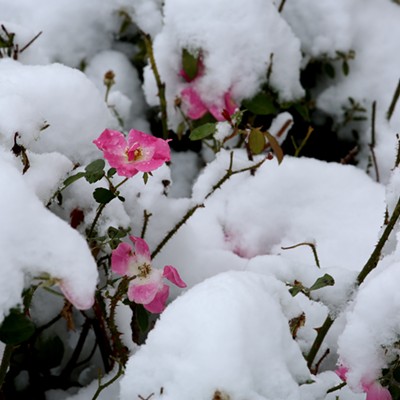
(173, 276)
(143, 294)
(159, 303)
(120, 258)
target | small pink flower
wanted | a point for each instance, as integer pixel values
(136, 152)
(194, 106)
(147, 285)
(373, 389)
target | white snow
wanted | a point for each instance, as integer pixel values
(228, 333)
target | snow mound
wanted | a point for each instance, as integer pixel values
(228, 334)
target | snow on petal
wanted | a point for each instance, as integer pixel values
(35, 241)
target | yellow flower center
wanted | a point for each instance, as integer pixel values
(144, 270)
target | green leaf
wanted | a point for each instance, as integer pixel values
(142, 317)
(16, 328)
(95, 170)
(103, 196)
(111, 172)
(276, 148)
(190, 64)
(345, 68)
(203, 131)
(323, 281)
(256, 141)
(145, 177)
(49, 352)
(261, 104)
(71, 179)
(295, 290)
(302, 109)
(329, 70)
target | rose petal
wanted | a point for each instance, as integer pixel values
(158, 304)
(194, 107)
(341, 372)
(375, 391)
(172, 275)
(120, 258)
(82, 302)
(143, 294)
(141, 249)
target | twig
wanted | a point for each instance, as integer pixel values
(110, 382)
(146, 218)
(281, 5)
(337, 387)
(322, 331)
(193, 209)
(5, 362)
(160, 84)
(375, 256)
(372, 144)
(30, 42)
(313, 248)
(369, 266)
(392, 106)
(303, 142)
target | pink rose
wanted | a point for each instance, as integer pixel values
(136, 152)
(147, 285)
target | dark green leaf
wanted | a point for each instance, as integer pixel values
(203, 131)
(16, 328)
(256, 141)
(111, 172)
(329, 70)
(103, 196)
(49, 352)
(142, 317)
(261, 104)
(71, 179)
(345, 68)
(276, 148)
(323, 281)
(95, 170)
(295, 290)
(190, 64)
(303, 111)
(145, 177)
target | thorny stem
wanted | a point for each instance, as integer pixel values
(193, 209)
(146, 217)
(369, 266)
(374, 258)
(160, 84)
(318, 341)
(394, 101)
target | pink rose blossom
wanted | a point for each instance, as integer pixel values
(194, 106)
(373, 389)
(147, 285)
(136, 152)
